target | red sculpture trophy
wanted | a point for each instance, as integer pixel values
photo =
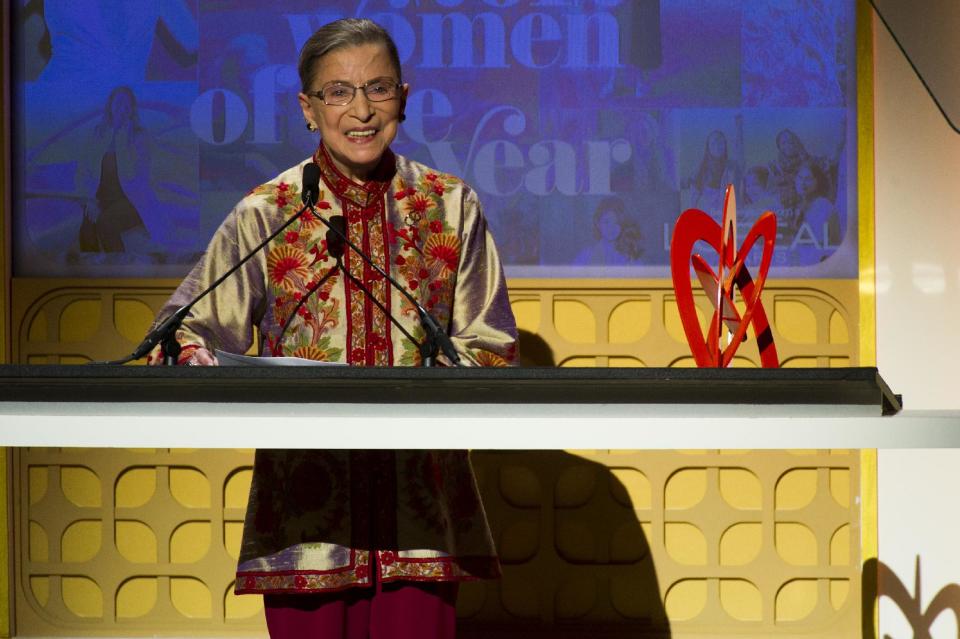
(732, 276)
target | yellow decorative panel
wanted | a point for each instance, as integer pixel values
(190, 597)
(40, 589)
(190, 542)
(80, 542)
(795, 321)
(840, 485)
(190, 487)
(116, 545)
(686, 488)
(520, 598)
(685, 543)
(232, 536)
(136, 542)
(37, 331)
(82, 597)
(839, 591)
(579, 362)
(741, 543)
(520, 486)
(641, 541)
(796, 600)
(629, 321)
(80, 486)
(575, 486)
(740, 488)
(575, 321)
(519, 542)
(686, 599)
(741, 599)
(796, 544)
(527, 314)
(839, 333)
(575, 598)
(241, 609)
(136, 597)
(135, 487)
(635, 322)
(624, 362)
(132, 318)
(796, 489)
(237, 489)
(79, 320)
(38, 544)
(570, 322)
(631, 488)
(840, 546)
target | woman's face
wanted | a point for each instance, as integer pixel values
(356, 134)
(608, 226)
(788, 144)
(806, 182)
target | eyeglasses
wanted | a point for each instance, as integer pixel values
(340, 94)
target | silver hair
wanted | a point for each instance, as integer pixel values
(339, 34)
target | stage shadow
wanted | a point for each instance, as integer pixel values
(576, 561)
(879, 581)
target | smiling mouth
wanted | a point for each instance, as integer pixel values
(360, 135)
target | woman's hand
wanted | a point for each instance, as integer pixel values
(202, 357)
(199, 357)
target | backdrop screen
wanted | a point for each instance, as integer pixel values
(586, 126)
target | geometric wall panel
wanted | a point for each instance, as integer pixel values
(593, 543)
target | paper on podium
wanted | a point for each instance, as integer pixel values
(232, 359)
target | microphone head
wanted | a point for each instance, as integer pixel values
(335, 243)
(310, 191)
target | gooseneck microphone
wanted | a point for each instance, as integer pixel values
(166, 332)
(436, 338)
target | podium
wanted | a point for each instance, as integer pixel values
(604, 528)
(509, 408)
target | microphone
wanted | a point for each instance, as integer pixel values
(437, 338)
(165, 332)
(335, 244)
(310, 191)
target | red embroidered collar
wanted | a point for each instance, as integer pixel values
(363, 195)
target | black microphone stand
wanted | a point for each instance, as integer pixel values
(436, 338)
(166, 332)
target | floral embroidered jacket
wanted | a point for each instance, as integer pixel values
(323, 520)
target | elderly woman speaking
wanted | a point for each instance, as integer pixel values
(356, 543)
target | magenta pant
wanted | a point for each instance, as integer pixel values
(401, 610)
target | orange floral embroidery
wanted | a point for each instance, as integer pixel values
(443, 249)
(486, 358)
(287, 267)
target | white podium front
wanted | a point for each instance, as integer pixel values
(459, 408)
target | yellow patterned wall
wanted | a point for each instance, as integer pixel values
(639, 543)
(636, 322)
(583, 323)
(131, 541)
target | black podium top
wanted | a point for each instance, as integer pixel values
(342, 384)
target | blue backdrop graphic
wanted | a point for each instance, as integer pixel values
(587, 126)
